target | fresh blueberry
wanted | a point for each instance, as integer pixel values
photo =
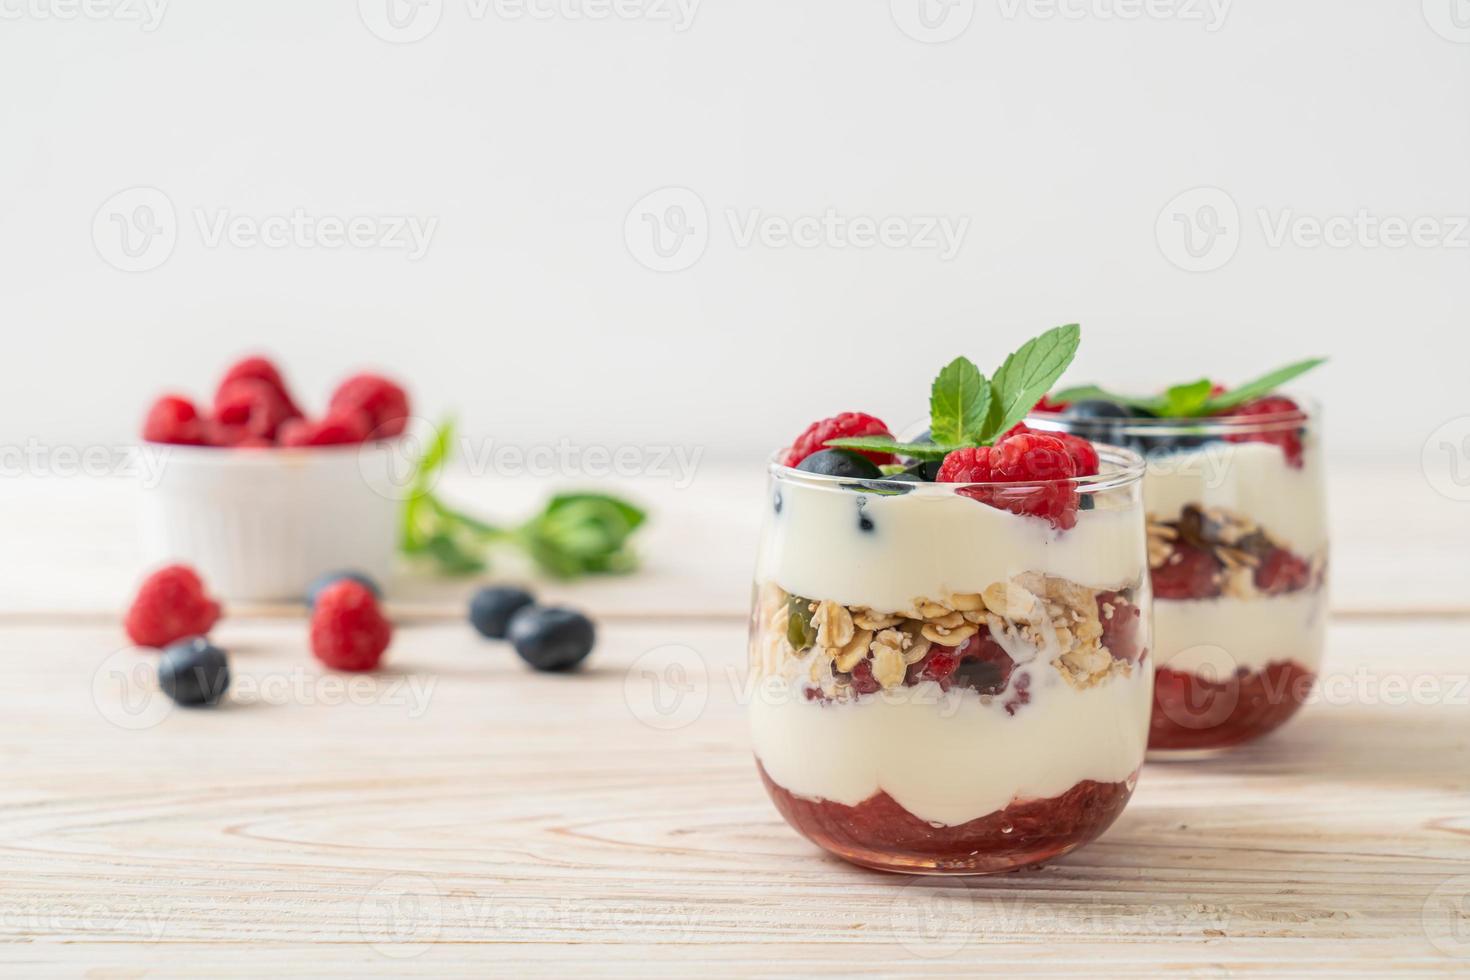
(492, 607)
(907, 476)
(1086, 502)
(865, 523)
(552, 639)
(320, 584)
(840, 462)
(1100, 408)
(776, 502)
(194, 672)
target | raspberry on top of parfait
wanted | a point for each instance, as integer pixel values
(1264, 416)
(976, 436)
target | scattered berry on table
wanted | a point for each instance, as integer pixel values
(492, 607)
(171, 604)
(383, 404)
(194, 672)
(175, 421)
(348, 631)
(840, 462)
(844, 426)
(322, 582)
(1287, 431)
(551, 639)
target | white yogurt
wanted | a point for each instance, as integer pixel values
(950, 758)
(1212, 638)
(931, 543)
(1252, 479)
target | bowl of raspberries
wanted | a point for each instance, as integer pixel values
(262, 496)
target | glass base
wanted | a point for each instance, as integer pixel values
(1194, 715)
(880, 834)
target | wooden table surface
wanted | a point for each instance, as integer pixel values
(457, 814)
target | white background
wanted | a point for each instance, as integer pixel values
(1061, 139)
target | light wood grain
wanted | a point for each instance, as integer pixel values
(506, 820)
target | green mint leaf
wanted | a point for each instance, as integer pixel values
(926, 451)
(959, 402)
(1027, 375)
(582, 534)
(1186, 400)
(1265, 384)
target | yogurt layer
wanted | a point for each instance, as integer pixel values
(951, 757)
(1250, 478)
(1212, 638)
(883, 552)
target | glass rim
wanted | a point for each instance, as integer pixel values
(1118, 467)
(1307, 414)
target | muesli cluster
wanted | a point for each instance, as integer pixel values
(1206, 552)
(969, 640)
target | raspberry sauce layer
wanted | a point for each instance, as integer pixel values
(879, 833)
(1192, 713)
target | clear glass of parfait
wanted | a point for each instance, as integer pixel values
(1237, 547)
(947, 683)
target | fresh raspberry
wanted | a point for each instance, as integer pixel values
(1083, 453)
(1289, 437)
(1281, 572)
(254, 405)
(171, 605)
(1188, 573)
(383, 403)
(1026, 457)
(258, 369)
(337, 429)
(174, 420)
(844, 426)
(348, 632)
(984, 664)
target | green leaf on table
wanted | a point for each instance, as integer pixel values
(1263, 385)
(959, 402)
(1027, 375)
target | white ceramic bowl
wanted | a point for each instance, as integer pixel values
(260, 524)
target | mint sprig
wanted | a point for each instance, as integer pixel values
(967, 409)
(574, 534)
(1193, 400)
(1028, 374)
(959, 403)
